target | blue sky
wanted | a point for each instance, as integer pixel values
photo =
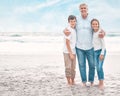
(51, 15)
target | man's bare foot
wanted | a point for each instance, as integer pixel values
(83, 84)
(92, 84)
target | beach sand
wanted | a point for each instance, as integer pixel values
(36, 75)
(42, 74)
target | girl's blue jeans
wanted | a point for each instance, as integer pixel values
(99, 64)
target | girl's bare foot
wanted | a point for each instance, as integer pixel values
(101, 85)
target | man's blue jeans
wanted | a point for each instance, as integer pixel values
(82, 55)
(99, 64)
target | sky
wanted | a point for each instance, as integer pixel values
(51, 15)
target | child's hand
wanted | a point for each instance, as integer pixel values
(72, 57)
(101, 57)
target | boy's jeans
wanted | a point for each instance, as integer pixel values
(82, 55)
(99, 64)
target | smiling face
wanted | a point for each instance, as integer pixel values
(84, 10)
(95, 25)
(72, 23)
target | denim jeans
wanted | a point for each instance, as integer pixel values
(82, 55)
(99, 64)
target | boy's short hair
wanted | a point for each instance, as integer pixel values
(71, 17)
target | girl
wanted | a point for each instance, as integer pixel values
(99, 51)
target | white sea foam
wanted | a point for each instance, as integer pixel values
(31, 44)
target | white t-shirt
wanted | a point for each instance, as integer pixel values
(72, 38)
(84, 33)
(98, 43)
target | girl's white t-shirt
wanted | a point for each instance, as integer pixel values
(98, 43)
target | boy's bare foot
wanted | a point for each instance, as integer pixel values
(69, 80)
(69, 83)
(72, 82)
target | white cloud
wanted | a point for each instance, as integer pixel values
(56, 21)
(36, 7)
(107, 14)
(103, 9)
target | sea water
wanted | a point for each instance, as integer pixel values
(38, 43)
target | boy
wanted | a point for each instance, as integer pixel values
(69, 51)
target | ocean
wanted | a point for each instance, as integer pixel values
(36, 42)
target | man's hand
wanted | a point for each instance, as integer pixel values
(66, 32)
(102, 34)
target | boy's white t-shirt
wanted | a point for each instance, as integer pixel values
(72, 38)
